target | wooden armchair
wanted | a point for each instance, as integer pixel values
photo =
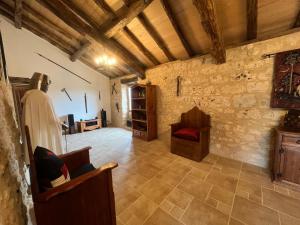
(85, 200)
(197, 148)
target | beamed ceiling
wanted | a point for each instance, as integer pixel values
(142, 34)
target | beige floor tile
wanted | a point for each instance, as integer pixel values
(211, 202)
(288, 220)
(294, 194)
(125, 199)
(203, 165)
(138, 212)
(281, 190)
(282, 203)
(166, 205)
(198, 213)
(235, 222)
(221, 195)
(223, 181)
(198, 189)
(253, 191)
(198, 174)
(159, 217)
(179, 168)
(177, 212)
(229, 166)
(155, 190)
(211, 158)
(253, 214)
(226, 209)
(169, 177)
(179, 198)
(257, 178)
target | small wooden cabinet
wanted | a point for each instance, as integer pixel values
(286, 167)
(143, 104)
(88, 125)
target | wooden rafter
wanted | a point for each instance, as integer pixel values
(297, 22)
(84, 47)
(207, 11)
(18, 13)
(251, 19)
(105, 7)
(123, 17)
(155, 35)
(45, 33)
(81, 13)
(178, 30)
(70, 18)
(140, 45)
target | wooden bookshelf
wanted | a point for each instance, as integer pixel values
(143, 101)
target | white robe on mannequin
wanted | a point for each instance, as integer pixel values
(44, 126)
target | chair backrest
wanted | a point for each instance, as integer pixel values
(195, 118)
(33, 174)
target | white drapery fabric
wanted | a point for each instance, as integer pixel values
(44, 126)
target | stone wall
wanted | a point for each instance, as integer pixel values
(236, 95)
(13, 188)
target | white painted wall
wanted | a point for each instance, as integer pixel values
(21, 47)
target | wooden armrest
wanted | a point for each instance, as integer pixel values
(77, 158)
(46, 196)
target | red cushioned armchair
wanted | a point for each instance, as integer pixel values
(190, 137)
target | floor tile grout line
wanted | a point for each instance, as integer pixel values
(167, 197)
(238, 180)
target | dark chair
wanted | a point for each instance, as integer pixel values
(195, 123)
(85, 200)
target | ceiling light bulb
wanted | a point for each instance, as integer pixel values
(97, 60)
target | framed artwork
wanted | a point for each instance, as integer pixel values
(286, 80)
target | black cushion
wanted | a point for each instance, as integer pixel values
(51, 170)
(82, 170)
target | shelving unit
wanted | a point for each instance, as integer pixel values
(143, 101)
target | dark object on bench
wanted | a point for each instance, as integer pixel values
(190, 137)
(87, 199)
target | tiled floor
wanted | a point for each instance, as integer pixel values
(154, 187)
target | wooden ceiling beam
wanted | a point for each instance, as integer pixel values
(123, 17)
(84, 47)
(45, 34)
(297, 22)
(48, 23)
(81, 13)
(18, 13)
(105, 8)
(62, 11)
(140, 46)
(207, 11)
(155, 35)
(165, 4)
(251, 19)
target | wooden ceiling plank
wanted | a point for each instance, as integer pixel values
(140, 45)
(18, 13)
(178, 30)
(71, 19)
(28, 9)
(44, 33)
(207, 11)
(155, 35)
(297, 22)
(123, 17)
(83, 49)
(251, 19)
(81, 13)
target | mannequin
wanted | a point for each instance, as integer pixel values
(39, 116)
